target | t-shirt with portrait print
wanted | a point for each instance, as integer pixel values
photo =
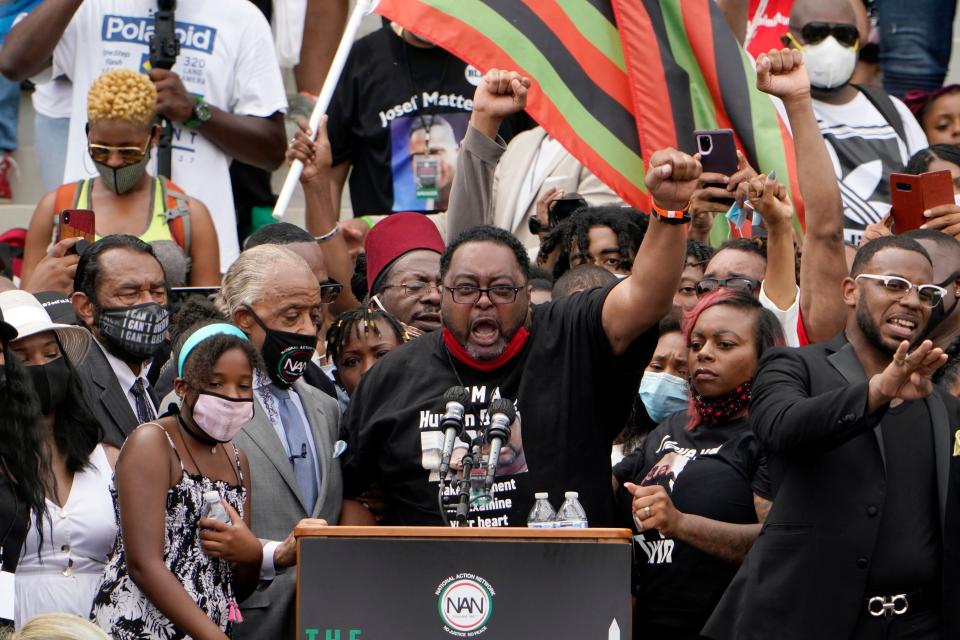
(712, 472)
(572, 394)
(390, 93)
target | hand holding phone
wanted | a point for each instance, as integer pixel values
(911, 195)
(77, 223)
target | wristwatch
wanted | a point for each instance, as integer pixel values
(200, 114)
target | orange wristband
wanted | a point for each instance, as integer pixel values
(670, 217)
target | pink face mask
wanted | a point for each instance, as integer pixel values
(221, 417)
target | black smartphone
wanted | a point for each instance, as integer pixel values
(564, 207)
(718, 154)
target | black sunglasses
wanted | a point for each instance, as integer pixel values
(814, 32)
(329, 290)
(738, 283)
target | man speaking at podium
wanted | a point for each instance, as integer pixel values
(572, 368)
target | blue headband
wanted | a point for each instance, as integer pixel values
(201, 334)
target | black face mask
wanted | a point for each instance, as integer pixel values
(51, 382)
(285, 354)
(136, 332)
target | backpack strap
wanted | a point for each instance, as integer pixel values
(67, 196)
(881, 100)
(177, 213)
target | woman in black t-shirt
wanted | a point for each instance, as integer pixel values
(697, 486)
(21, 460)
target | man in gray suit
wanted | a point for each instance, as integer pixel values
(291, 443)
(120, 295)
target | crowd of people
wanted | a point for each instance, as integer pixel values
(774, 416)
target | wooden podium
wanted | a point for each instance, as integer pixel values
(426, 583)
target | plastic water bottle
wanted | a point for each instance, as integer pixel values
(212, 507)
(542, 515)
(571, 514)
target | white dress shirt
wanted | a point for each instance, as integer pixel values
(126, 378)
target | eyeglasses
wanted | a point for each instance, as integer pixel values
(738, 283)
(330, 290)
(414, 288)
(469, 294)
(929, 295)
(814, 32)
(129, 155)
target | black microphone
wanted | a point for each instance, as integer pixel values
(502, 415)
(303, 453)
(455, 400)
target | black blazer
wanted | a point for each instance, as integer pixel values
(106, 398)
(805, 576)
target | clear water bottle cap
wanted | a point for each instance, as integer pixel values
(211, 496)
(541, 495)
(571, 495)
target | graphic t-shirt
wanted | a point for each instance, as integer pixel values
(865, 150)
(389, 96)
(226, 56)
(572, 396)
(711, 472)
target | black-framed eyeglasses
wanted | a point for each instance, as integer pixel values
(738, 283)
(330, 290)
(845, 33)
(929, 295)
(414, 288)
(470, 294)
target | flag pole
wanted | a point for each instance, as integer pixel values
(362, 9)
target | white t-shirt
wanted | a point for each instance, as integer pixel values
(226, 56)
(53, 98)
(865, 150)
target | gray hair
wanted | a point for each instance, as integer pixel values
(251, 278)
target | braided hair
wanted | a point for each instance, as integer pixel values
(355, 321)
(629, 225)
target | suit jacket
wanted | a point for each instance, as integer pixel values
(805, 576)
(486, 186)
(106, 398)
(277, 504)
(514, 168)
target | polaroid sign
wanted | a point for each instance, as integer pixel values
(465, 603)
(195, 37)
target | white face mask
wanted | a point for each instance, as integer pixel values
(829, 63)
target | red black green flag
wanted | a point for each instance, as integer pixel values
(615, 80)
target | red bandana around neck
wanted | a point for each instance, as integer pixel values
(716, 411)
(513, 348)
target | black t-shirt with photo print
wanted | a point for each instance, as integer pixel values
(389, 89)
(572, 395)
(711, 472)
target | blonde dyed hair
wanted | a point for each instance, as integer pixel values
(252, 276)
(59, 626)
(122, 94)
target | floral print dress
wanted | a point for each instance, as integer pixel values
(125, 613)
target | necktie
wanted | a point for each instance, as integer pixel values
(145, 411)
(301, 454)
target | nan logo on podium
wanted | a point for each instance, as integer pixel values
(465, 602)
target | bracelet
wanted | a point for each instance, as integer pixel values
(670, 217)
(328, 235)
(369, 220)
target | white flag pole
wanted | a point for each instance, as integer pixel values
(363, 8)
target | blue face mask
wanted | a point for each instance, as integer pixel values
(663, 394)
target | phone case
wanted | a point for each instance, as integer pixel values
(718, 151)
(911, 195)
(77, 223)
